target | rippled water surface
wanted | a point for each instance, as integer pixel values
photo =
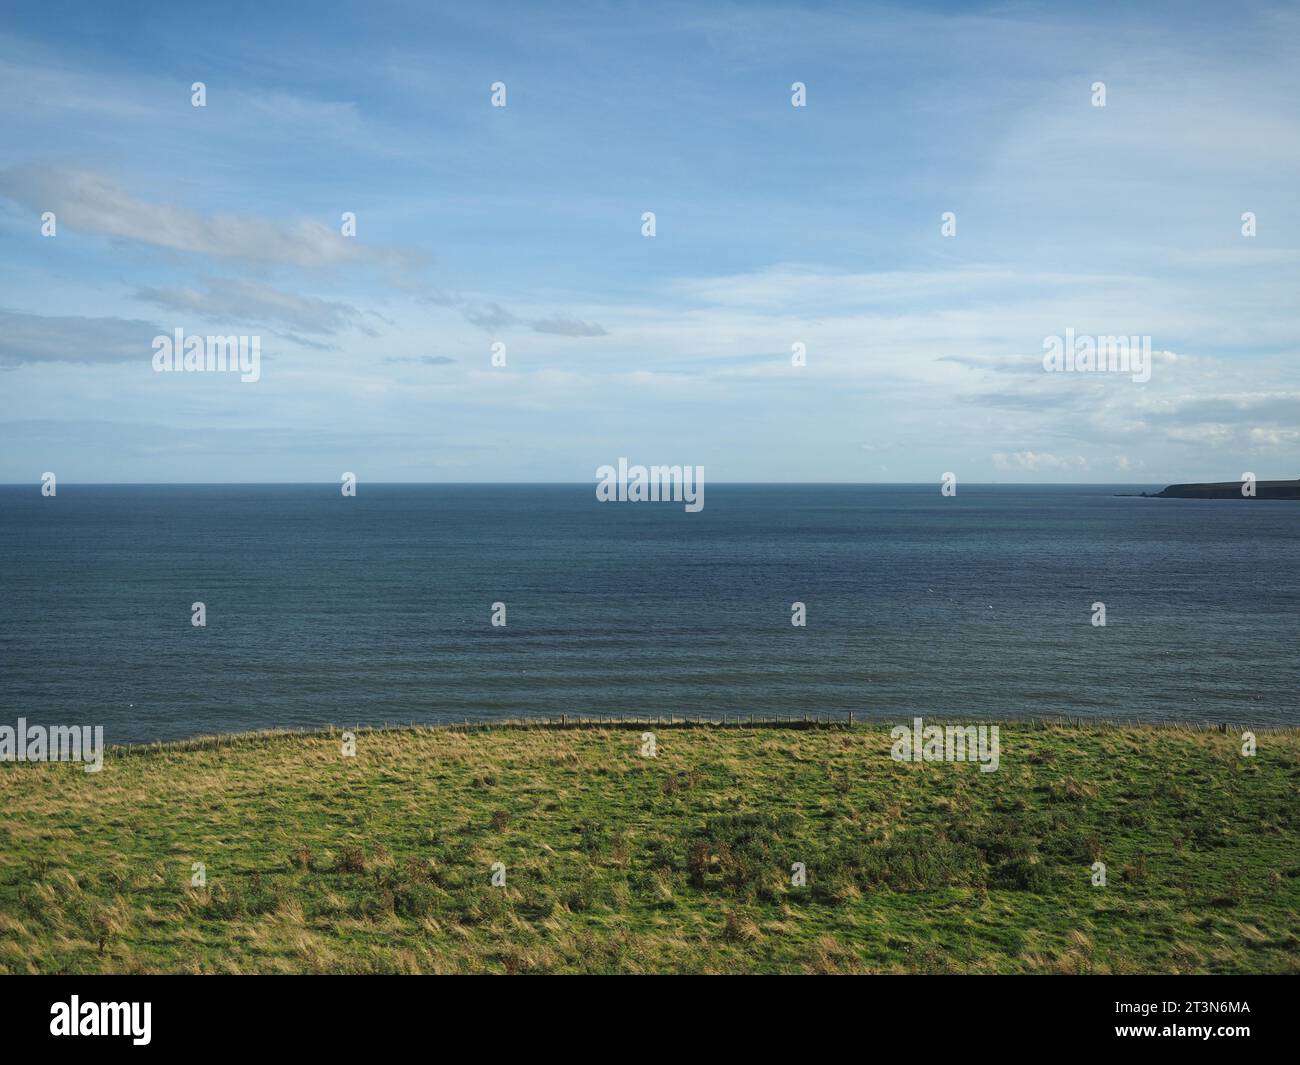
(326, 610)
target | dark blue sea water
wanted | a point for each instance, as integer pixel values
(327, 610)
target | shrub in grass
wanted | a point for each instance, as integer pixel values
(1019, 874)
(352, 860)
(414, 898)
(917, 861)
(1137, 870)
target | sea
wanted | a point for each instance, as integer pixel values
(322, 609)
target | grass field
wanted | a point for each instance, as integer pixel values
(616, 862)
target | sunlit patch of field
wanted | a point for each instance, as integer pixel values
(614, 862)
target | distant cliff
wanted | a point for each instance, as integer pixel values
(1229, 490)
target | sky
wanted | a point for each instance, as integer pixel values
(775, 226)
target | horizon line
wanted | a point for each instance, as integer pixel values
(780, 484)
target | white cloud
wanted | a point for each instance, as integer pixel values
(243, 301)
(94, 203)
(1038, 461)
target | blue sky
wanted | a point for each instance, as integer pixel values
(775, 225)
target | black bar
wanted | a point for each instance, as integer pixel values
(304, 1013)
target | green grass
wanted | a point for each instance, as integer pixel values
(680, 863)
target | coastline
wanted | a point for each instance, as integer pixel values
(578, 723)
(1228, 490)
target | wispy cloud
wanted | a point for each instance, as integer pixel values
(233, 300)
(568, 327)
(34, 338)
(93, 202)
